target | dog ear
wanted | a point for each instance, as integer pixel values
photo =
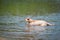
(28, 19)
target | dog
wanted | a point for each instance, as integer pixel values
(32, 22)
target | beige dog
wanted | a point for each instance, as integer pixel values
(32, 22)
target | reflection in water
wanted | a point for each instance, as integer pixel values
(13, 28)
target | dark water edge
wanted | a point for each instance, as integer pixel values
(12, 28)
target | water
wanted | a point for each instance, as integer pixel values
(13, 28)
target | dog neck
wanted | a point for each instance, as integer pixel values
(31, 21)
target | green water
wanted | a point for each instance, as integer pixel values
(29, 7)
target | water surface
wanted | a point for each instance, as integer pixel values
(13, 28)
